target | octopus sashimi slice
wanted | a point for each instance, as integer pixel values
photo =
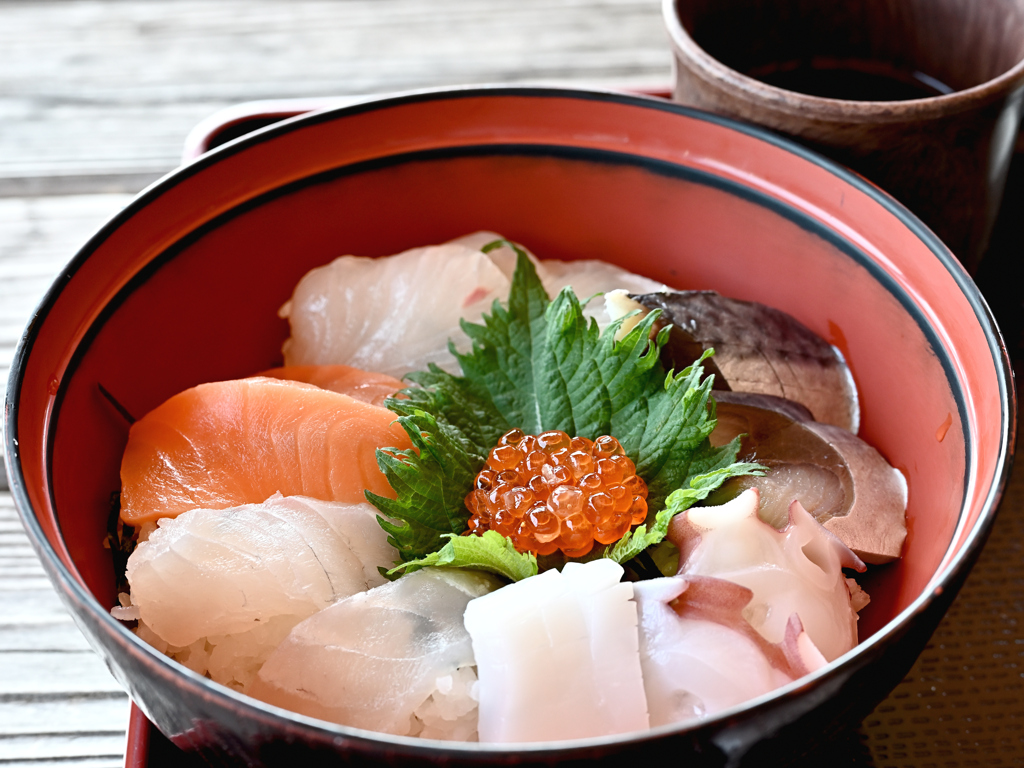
(699, 654)
(796, 570)
(238, 442)
(395, 659)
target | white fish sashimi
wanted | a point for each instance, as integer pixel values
(396, 314)
(392, 315)
(221, 577)
(700, 656)
(558, 656)
(798, 570)
(396, 659)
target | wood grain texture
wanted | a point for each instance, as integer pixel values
(58, 703)
(98, 96)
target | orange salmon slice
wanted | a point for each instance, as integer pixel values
(237, 442)
(367, 386)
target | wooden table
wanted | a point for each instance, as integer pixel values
(96, 99)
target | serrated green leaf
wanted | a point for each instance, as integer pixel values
(460, 403)
(538, 365)
(699, 487)
(430, 481)
(508, 344)
(489, 552)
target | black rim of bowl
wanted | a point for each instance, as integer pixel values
(71, 589)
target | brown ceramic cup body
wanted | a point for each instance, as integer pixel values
(944, 156)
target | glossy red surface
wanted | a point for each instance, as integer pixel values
(184, 287)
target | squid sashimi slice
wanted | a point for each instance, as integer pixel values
(233, 582)
(239, 442)
(370, 387)
(395, 659)
(558, 656)
(797, 570)
(700, 656)
(397, 314)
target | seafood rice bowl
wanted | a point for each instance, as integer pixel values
(509, 425)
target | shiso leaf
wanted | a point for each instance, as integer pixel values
(508, 345)
(489, 552)
(430, 481)
(538, 365)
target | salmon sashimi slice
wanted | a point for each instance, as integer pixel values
(367, 386)
(238, 442)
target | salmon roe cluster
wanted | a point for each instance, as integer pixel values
(549, 492)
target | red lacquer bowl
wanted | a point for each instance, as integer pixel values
(184, 286)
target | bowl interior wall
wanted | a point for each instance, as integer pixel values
(206, 309)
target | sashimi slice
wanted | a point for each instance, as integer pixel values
(239, 442)
(392, 314)
(221, 588)
(586, 277)
(700, 655)
(558, 656)
(798, 570)
(397, 314)
(395, 659)
(368, 386)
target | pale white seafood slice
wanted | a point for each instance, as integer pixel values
(700, 656)
(558, 657)
(587, 277)
(396, 659)
(218, 589)
(396, 314)
(796, 570)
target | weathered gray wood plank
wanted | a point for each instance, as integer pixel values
(38, 236)
(98, 95)
(63, 747)
(50, 674)
(60, 762)
(58, 703)
(39, 636)
(72, 715)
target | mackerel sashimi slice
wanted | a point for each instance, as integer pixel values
(239, 442)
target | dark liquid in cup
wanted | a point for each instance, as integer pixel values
(850, 80)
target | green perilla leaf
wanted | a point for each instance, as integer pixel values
(538, 365)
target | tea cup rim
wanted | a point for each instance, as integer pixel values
(712, 69)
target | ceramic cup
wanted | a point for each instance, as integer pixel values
(843, 73)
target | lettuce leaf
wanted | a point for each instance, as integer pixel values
(489, 552)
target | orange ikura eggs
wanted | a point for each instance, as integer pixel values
(549, 492)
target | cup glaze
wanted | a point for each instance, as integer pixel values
(945, 157)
